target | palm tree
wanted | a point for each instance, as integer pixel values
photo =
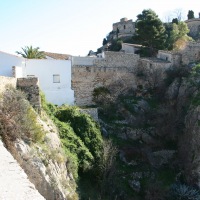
(31, 53)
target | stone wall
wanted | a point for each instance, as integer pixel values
(5, 81)
(76, 60)
(127, 70)
(151, 72)
(117, 59)
(86, 78)
(194, 26)
(191, 53)
(125, 27)
(114, 68)
(117, 71)
(173, 57)
(31, 88)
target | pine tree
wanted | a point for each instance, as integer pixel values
(150, 31)
(190, 14)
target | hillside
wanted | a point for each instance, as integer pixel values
(156, 130)
(147, 149)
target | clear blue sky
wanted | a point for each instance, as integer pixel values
(73, 27)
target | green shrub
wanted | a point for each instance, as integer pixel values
(72, 143)
(18, 120)
(84, 127)
(101, 95)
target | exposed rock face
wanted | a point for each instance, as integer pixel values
(45, 165)
(14, 183)
(189, 146)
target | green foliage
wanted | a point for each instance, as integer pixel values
(104, 41)
(116, 45)
(190, 14)
(80, 136)
(73, 144)
(183, 192)
(18, 120)
(49, 108)
(155, 37)
(175, 20)
(31, 53)
(178, 36)
(84, 127)
(99, 94)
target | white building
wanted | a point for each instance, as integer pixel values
(54, 75)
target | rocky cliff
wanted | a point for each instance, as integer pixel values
(34, 142)
(156, 129)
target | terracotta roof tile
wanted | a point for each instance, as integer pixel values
(57, 56)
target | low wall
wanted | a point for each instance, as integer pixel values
(191, 53)
(76, 60)
(4, 81)
(117, 59)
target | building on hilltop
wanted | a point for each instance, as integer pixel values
(123, 29)
(130, 48)
(194, 26)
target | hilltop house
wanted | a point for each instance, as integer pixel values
(54, 74)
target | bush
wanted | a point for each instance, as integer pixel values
(18, 120)
(84, 127)
(101, 95)
(73, 144)
(176, 72)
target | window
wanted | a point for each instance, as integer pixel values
(56, 78)
(124, 27)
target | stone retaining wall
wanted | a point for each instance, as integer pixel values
(31, 88)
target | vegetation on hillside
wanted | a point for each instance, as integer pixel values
(153, 34)
(18, 120)
(155, 37)
(89, 157)
(146, 122)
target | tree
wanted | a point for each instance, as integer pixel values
(31, 53)
(150, 31)
(175, 20)
(116, 45)
(178, 36)
(190, 14)
(105, 41)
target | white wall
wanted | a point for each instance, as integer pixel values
(7, 61)
(57, 93)
(76, 60)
